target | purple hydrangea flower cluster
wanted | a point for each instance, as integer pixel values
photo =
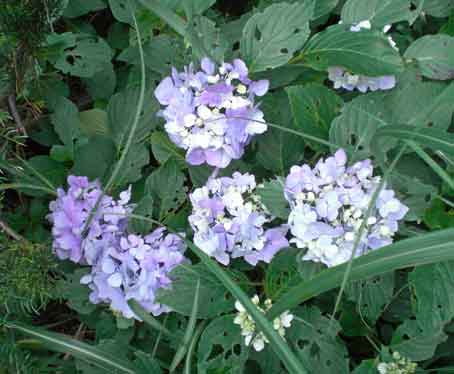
(228, 220)
(349, 81)
(328, 205)
(211, 113)
(123, 266)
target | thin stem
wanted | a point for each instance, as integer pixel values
(9, 231)
(15, 113)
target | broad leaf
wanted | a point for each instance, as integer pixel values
(66, 121)
(180, 297)
(323, 7)
(272, 196)
(271, 38)
(434, 55)
(131, 171)
(196, 7)
(314, 107)
(365, 52)
(93, 122)
(378, 12)
(436, 8)
(163, 149)
(77, 8)
(102, 84)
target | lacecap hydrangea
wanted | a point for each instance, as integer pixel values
(212, 113)
(329, 203)
(229, 221)
(123, 266)
(350, 81)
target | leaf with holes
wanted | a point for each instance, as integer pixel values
(315, 340)
(166, 185)
(366, 52)
(413, 341)
(272, 196)
(221, 346)
(371, 295)
(314, 107)
(434, 300)
(272, 37)
(180, 297)
(277, 149)
(355, 128)
(378, 12)
(206, 39)
(88, 56)
(434, 55)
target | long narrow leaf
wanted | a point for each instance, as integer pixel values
(424, 249)
(82, 351)
(148, 318)
(8, 186)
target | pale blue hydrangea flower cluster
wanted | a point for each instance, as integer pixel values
(212, 113)
(349, 81)
(124, 266)
(229, 221)
(328, 205)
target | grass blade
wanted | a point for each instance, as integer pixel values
(82, 351)
(179, 355)
(423, 249)
(8, 186)
(191, 349)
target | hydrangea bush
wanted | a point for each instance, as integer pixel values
(250, 187)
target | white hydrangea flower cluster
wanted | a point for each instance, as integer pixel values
(228, 221)
(248, 328)
(349, 81)
(401, 365)
(328, 205)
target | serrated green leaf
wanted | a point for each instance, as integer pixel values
(434, 55)
(223, 333)
(371, 295)
(87, 57)
(121, 10)
(378, 12)
(436, 8)
(282, 273)
(315, 340)
(180, 297)
(196, 7)
(278, 150)
(144, 208)
(77, 8)
(95, 158)
(366, 52)
(272, 37)
(66, 121)
(314, 107)
(163, 149)
(272, 196)
(166, 186)
(102, 84)
(93, 122)
(137, 157)
(323, 7)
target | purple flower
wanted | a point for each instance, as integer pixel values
(328, 205)
(211, 113)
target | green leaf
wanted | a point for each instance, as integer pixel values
(271, 38)
(121, 113)
(196, 7)
(378, 12)
(314, 107)
(75, 293)
(121, 10)
(206, 39)
(434, 55)
(282, 273)
(169, 49)
(436, 8)
(180, 296)
(432, 286)
(323, 7)
(77, 8)
(355, 128)
(438, 215)
(135, 160)
(221, 346)
(423, 249)
(93, 122)
(315, 340)
(278, 150)
(164, 12)
(166, 185)
(87, 57)
(95, 158)
(85, 352)
(414, 342)
(371, 295)
(102, 84)
(146, 364)
(66, 121)
(143, 208)
(272, 196)
(163, 149)
(365, 52)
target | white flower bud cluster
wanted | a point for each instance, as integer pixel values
(401, 365)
